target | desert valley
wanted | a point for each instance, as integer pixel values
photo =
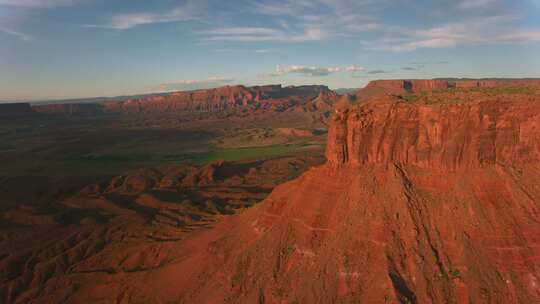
(405, 191)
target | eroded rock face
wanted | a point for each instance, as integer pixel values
(213, 99)
(445, 136)
(379, 88)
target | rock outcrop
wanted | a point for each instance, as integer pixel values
(379, 88)
(447, 136)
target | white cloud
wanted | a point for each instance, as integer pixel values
(127, 21)
(480, 31)
(211, 82)
(354, 69)
(312, 71)
(261, 34)
(304, 70)
(19, 35)
(188, 11)
(297, 21)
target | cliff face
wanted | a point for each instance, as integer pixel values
(445, 136)
(383, 87)
(214, 99)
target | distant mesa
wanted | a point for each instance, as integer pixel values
(210, 100)
(273, 98)
(214, 100)
(402, 86)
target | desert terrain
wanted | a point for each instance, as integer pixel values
(405, 191)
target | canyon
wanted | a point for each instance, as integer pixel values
(427, 193)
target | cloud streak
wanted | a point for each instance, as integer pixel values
(261, 34)
(20, 35)
(313, 71)
(189, 11)
(481, 31)
(298, 21)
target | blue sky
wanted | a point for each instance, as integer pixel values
(80, 48)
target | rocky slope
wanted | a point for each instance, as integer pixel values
(417, 204)
(122, 226)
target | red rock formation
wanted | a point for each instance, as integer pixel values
(417, 204)
(12, 110)
(214, 99)
(294, 132)
(494, 83)
(378, 88)
(323, 102)
(436, 136)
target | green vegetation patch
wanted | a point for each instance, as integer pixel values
(251, 153)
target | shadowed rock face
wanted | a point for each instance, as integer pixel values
(444, 136)
(10, 110)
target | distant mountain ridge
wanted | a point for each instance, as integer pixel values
(268, 97)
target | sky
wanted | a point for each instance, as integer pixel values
(57, 49)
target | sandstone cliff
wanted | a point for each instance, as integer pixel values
(445, 136)
(399, 86)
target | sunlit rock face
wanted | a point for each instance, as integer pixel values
(446, 136)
